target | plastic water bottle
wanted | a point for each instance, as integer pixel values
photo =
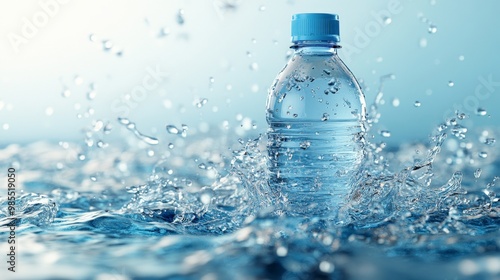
(316, 112)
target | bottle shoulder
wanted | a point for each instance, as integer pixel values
(315, 87)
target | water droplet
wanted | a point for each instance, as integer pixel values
(202, 166)
(325, 117)
(477, 173)
(481, 112)
(459, 131)
(5, 126)
(483, 154)
(432, 29)
(81, 157)
(201, 102)
(489, 141)
(417, 104)
(171, 145)
(78, 80)
(281, 251)
(254, 66)
(91, 95)
(172, 129)
(305, 144)
(262, 8)
(423, 42)
(326, 71)
(123, 121)
(451, 83)
(387, 20)
(254, 40)
(93, 178)
(295, 115)
(66, 93)
(180, 17)
(92, 37)
(385, 133)
(164, 32)
(107, 45)
(49, 111)
(326, 267)
(395, 102)
(101, 144)
(255, 88)
(461, 58)
(132, 127)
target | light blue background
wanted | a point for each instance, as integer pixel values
(215, 41)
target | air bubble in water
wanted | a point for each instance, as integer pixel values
(170, 145)
(325, 117)
(172, 129)
(481, 112)
(483, 154)
(477, 173)
(432, 29)
(451, 83)
(417, 104)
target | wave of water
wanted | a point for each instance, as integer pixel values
(202, 209)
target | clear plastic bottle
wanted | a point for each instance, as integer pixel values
(316, 112)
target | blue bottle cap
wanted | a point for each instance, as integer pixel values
(315, 27)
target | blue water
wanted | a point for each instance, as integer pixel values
(130, 210)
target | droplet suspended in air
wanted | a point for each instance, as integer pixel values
(325, 117)
(78, 80)
(477, 173)
(49, 111)
(254, 66)
(107, 45)
(481, 112)
(172, 129)
(66, 93)
(432, 29)
(180, 17)
(385, 133)
(423, 43)
(489, 141)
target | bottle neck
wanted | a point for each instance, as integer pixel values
(316, 47)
